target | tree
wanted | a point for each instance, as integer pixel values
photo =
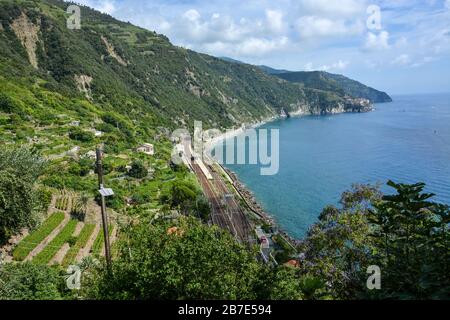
(183, 195)
(338, 246)
(81, 135)
(138, 170)
(180, 260)
(6, 103)
(413, 238)
(30, 282)
(404, 234)
(20, 200)
(203, 208)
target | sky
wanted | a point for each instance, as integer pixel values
(399, 46)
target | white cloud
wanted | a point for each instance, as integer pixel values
(337, 66)
(221, 35)
(193, 15)
(447, 4)
(332, 8)
(252, 47)
(402, 60)
(377, 41)
(105, 6)
(314, 26)
(422, 62)
(275, 21)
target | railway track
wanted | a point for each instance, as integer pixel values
(219, 216)
(235, 212)
(226, 211)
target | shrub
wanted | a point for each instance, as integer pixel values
(81, 135)
(30, 282)
(6, 103)
(138, 170)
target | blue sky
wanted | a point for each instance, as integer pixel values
(406, 50)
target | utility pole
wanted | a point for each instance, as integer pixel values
(104, 214)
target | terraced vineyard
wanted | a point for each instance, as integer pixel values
(81, 243)
(62, 202)
(99, 243)
(63, 238)
(46, 255)
(34, 239)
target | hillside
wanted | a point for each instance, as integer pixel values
(273, 71)
(115, 66)
(335, 83)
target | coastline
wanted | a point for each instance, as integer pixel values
(242, 190)
(212, 142)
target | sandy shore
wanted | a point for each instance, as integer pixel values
(211, 141)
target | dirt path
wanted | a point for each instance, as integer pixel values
(47, 240)
(78, 229)
(6, 252)
(84, 252)
(59, 256)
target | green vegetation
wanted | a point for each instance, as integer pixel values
(155, 87)
(193, 261)
(46, 255)
(286, 253)
(34, 239)
(405, 234)
(62, 203)
(99, 242)
(138, 170)
(80, 243)
(325, 81)
(80, 135)
(20, 199)
(30, 282)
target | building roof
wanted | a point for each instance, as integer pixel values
(146, 145)
(292, 263)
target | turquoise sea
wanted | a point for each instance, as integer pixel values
(321, 156)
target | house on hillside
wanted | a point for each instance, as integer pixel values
(147, 148)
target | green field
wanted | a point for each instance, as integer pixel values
(99, 242)
(82, 240)
(53, 247)
(34, 239)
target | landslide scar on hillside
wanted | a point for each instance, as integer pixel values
(27, 33)
(112, 52)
